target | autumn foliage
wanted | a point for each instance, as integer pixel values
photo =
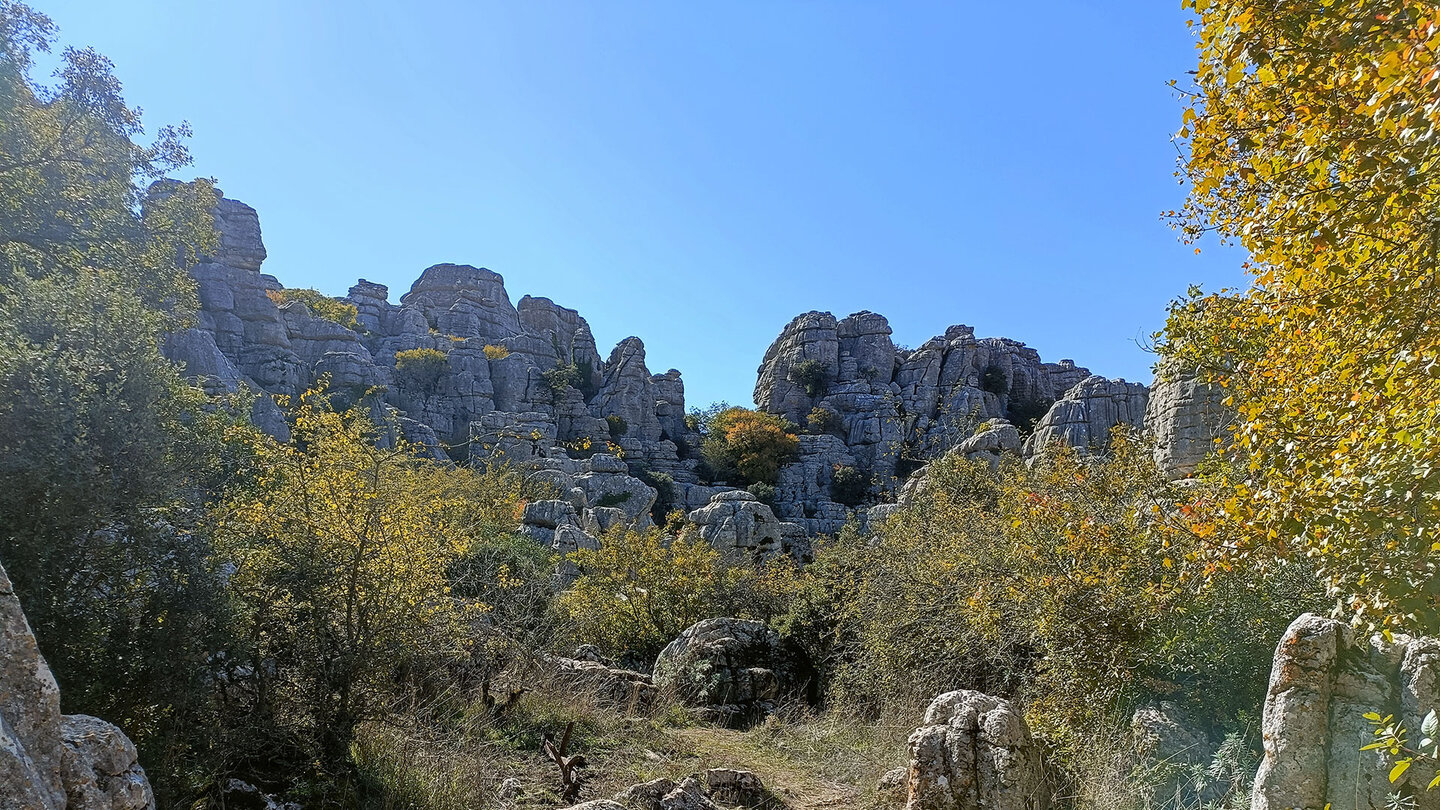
(1311, 141)
(744, 446)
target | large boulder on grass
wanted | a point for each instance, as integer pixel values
(731, 671)
(975, 752)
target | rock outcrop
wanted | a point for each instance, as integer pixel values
(1323, 681)
(50, 761)
(1084, 416)
(1186, 417)
(478, 378)
(896, 407)
(1171, 747)
(665, 794)
(623, 689)
(733, 671)
(735, 520)
(975, 752)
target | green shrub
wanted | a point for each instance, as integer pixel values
(848, 485)
(764, 493)
(561, 377)
(664, 486)
(618, 426)
(1055, 584)
(813, 374)
(824, 420)
(613, 499)
(320, 305)
(420, 369)
(585, 371)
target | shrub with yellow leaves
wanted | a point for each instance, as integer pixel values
(1310, 140)
(341, 552)
(1067, 584)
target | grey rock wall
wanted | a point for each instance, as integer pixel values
(50, 761)
(1324, 679)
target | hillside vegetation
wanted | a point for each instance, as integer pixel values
(316, 596)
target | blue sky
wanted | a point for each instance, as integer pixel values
(699, 173)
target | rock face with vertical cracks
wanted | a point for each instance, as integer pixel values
(1187, 418)
(50, 761)
(1322, 682)
(975, 752)
(525, 383)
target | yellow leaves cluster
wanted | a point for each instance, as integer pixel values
(341, 548)
(752, 443)
(640, 589)
(1312, 141)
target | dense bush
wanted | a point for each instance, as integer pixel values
(420, 370)
(566, 375)
(664, 486)
(639, 590)
(617, 425)
(1063, 585)
(763, 492)
(848, 485)
(813, 374)
(742, 446)
(494, 352)
(320, 305)
(824, 420)
(343, 556)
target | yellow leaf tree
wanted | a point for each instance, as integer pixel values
(341, 550)
(1311, 141)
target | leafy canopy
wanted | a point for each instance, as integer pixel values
(1311, 140)
(744, 446)
(341, 552)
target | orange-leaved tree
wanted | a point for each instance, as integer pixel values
(745, 446)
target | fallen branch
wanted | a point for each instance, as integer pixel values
(570, 775)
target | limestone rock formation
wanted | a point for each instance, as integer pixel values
(1324, 679)
(50, 761)
(802, 490)
(993, 440)
(101, 768)
(975, 752)
(1185, 416)
(735, 520)
(1170, 746)
(896, 407)
(732, 671)
(477, 378)
(1084, 416)
(623, 689)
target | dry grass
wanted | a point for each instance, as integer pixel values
(463, 761)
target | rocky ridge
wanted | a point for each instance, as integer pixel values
(461, 369)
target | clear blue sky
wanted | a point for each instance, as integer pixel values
(697, 173)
